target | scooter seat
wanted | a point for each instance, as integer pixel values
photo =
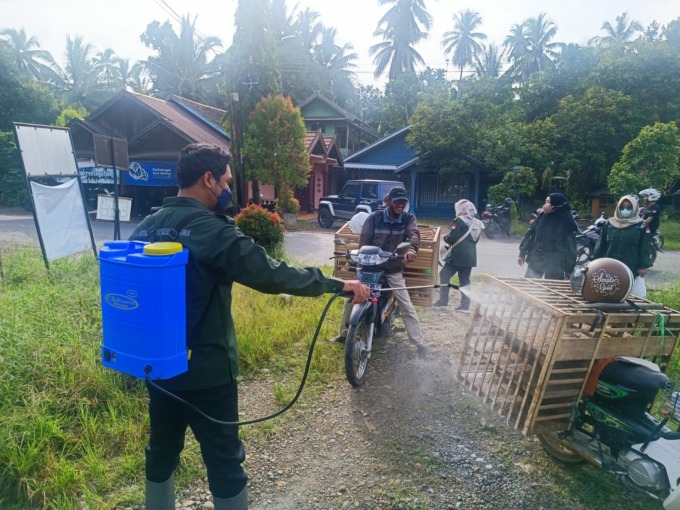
(634, 376)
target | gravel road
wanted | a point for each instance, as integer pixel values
(410, 438)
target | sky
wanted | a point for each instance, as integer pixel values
(117, 24)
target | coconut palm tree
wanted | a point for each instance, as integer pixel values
(529, 47)
(402, 26)
(106, 62)
(26, 53)
(308, 28)
(463, 42)
(621, 32)
(181, 65)
(488, 63)
(332, 56)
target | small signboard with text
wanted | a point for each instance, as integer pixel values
(106, 208)
(151, 173)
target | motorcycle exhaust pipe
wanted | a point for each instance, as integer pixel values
(581, 450)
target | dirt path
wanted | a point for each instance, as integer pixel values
(410, 438)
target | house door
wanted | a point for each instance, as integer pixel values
(429, 190)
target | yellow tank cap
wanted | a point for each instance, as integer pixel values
(162, 248)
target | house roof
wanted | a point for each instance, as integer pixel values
(344, 114)
(192, 121)
(325, 146)
(369, 148)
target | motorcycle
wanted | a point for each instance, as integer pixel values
(612, 428)
(586, 241)
(658, 242)
(374, 317)
(496, 220)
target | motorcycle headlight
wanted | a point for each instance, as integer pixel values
(369, 259)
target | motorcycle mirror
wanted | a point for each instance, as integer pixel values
(403, 248)
(341, 242)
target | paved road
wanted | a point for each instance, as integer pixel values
(498, 256)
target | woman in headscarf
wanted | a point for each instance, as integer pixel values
(462, 256)
(624, 238)
(549, 246)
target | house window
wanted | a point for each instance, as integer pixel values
(429, 190)
(452, 188)
(341, 137)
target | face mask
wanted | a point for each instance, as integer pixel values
(626, 212)
(547, 208)
(223, 199)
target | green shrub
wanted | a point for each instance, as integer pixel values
(264, 227)
(287, 203)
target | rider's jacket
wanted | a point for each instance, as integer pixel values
(381, 231)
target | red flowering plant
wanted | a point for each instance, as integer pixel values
(266, 228)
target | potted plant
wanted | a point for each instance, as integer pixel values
(288, 206)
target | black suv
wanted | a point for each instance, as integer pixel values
(355, 196)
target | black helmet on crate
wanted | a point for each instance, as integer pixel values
(602, 280)
(509, 201)
(650, 194)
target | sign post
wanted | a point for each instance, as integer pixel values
(109, 152)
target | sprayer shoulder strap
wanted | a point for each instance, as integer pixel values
(174, 233)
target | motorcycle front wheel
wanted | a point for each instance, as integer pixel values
(551, 445)
(356, 352)
(492, 230)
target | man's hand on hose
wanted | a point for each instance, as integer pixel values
(361, 292)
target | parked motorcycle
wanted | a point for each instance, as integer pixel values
(613, 429)
(374, 317)
(586, 241)
(658, 242)
(496, 220)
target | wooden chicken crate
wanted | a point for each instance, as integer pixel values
(531, 344)
(422, 271)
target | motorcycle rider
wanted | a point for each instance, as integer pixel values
(652, 214)
(386, 228)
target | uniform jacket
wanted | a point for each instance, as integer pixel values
(219, 256)
(630, 245)
(464, 254)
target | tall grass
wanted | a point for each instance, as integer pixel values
(74, 432)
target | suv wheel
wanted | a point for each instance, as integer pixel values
(325, 218)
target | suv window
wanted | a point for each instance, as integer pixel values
(350, 191)
(389, 187)
(370, 190)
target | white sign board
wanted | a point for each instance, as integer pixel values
(60, 213)
(46, 150)
(106, 208)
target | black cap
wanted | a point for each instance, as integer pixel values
(398, 194)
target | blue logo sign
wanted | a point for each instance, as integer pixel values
(151, 173)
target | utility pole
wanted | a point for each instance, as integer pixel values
(237, 151)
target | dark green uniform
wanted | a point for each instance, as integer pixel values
(464, 254)
(630, 245)
(219, 255)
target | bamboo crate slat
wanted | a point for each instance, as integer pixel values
(530, 345)
(422, 271)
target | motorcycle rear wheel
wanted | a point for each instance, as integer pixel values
(556, 449)
(356, 352)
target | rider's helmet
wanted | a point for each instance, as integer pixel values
(602, 280)
(509, 201)
(650, 194)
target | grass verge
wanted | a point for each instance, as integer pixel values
(74, 432)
